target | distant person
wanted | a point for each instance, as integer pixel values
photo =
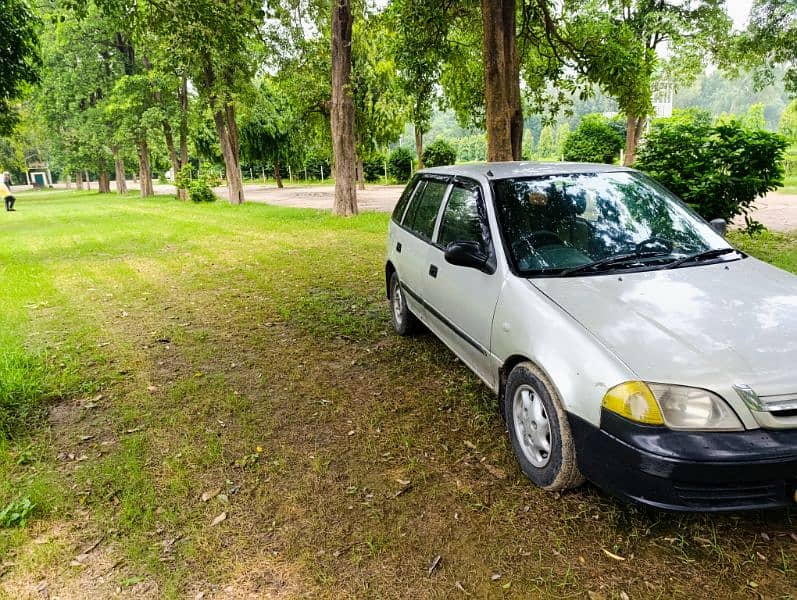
(7, 179)
(5, 192)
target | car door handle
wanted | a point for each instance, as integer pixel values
(398, 247)
(433, 270)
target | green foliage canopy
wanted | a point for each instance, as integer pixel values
(770, 40)
(420, 44)
(268, 127)
(616, 45)
(19, 56)
(379, 102)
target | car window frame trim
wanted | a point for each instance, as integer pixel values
(484, 218)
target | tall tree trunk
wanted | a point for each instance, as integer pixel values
(228, 139)
(174, 159)
(634, 127)
(119, 164)
(419, 145)
(144, 169)
(227, 130)
(502, 81)
(79, 180)
(169, 136)
(182, 94)
(342, 114)
(277, 174)
(103, 181)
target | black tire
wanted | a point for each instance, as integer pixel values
(530, 394)
(404, 322)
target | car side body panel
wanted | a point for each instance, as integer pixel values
(406, 252)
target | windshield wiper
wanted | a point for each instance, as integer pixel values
(707, 255)
(611, 261)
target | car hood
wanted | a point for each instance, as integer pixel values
(727, 322)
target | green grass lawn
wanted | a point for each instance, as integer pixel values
(789, 185)
(168, 366)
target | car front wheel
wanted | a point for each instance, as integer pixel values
(539, 430)
(404, 322)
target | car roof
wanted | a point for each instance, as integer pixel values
(505, 170)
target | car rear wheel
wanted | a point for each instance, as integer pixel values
(539, 430)
(404, 322)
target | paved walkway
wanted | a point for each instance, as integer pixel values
(374, 197)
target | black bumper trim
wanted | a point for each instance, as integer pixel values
(688, 471)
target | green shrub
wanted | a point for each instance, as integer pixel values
(719, 170)
(594, 140)
(439, 153)
(399, 164)
(199, 190)
(374, 167)
(316, 164)
(211, 178)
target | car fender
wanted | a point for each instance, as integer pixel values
(529, 324)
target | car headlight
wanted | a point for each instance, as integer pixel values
(693, 408)
(676, 406)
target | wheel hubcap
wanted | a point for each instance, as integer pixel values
(398, 303)
(532, 428)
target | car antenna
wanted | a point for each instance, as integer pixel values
(489, 173)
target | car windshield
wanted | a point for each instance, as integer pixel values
(560, 225)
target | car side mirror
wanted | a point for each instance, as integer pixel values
(719, 225)
(466, 254)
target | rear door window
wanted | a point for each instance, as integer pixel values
(462, 217)
(401, 207)
(422, 214)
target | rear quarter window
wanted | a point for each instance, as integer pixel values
(401, 206)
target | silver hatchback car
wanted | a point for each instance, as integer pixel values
(627, 341)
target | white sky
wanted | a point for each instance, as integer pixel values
(739, 10)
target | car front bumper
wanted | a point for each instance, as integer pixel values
(688, 471)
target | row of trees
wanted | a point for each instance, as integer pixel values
(232, 81)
